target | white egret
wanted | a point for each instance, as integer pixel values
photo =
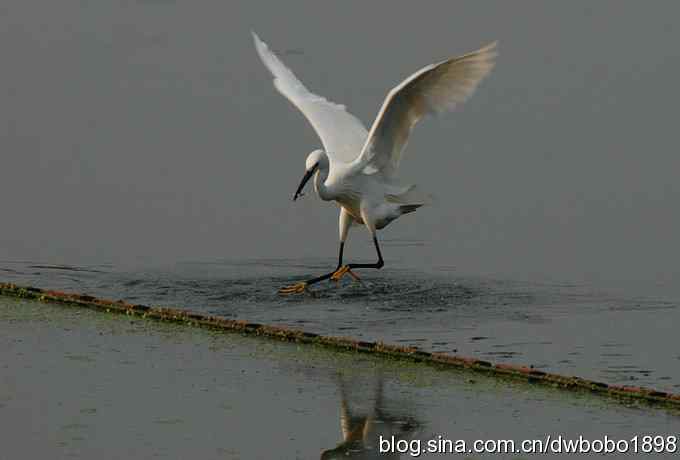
(358, 168)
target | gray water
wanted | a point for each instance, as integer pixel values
(81, 384)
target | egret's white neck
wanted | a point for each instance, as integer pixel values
(319, 183)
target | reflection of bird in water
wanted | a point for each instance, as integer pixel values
(358, 168)
(361, 433)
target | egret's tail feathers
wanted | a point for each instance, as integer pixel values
(412, 196)
(406, 208)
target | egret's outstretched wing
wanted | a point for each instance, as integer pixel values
(435, 88)
(342, 134)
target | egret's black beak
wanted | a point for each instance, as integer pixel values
(308, 175)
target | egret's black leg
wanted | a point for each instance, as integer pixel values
(328, 275)
(302, 286)
(338, 272)
(347, 269)
(342, 248)
(379, 264)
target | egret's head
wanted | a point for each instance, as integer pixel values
(315, 160)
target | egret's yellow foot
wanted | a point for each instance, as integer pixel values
(340, 272)
(294, 289)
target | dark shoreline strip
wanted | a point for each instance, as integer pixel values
(517, 372)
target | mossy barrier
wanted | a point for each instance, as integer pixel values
(443, 360)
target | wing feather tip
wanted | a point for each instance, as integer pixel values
(259, 44)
